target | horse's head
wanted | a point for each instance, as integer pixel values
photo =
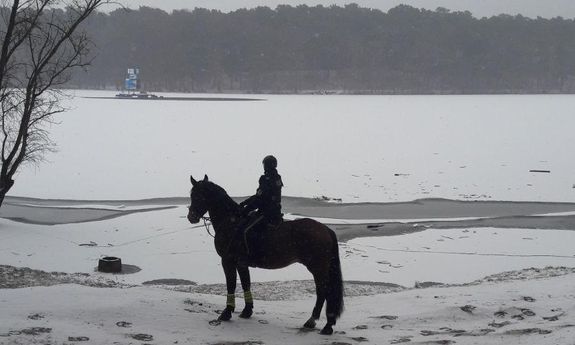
(199, 204)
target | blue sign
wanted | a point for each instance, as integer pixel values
(131, 84)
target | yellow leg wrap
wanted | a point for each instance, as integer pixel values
(231, 300)
(248, 297)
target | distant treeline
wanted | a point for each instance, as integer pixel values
(350, 49)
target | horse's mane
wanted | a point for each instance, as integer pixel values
(217, 191)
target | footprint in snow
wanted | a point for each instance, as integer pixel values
(82, 338)
(475, 333)
(36, 316)
(141, 337)
(124, 324)
(36, 330)
(499, 324)
(500, 313)
(385, 317)
(442, 331)
(28, 331)
(528, 331)
(215, 322)
(468, 308)
(553, 318)
(527, 312)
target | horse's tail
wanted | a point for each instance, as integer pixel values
(334, 297)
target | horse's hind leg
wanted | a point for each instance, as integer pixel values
(244, 272)
(230, 272)
(320, 280)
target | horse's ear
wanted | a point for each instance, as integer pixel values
(194, 182)
(205, 178)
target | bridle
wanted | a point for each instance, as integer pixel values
(207, 223)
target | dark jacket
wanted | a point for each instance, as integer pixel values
(267, 199)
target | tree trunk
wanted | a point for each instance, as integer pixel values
(5, 185)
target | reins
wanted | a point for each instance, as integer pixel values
(207, 222)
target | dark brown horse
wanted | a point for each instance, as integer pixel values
(304, 240)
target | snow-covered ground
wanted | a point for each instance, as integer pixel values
(453, 302)
(429, 271)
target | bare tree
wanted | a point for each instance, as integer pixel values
(41, 44)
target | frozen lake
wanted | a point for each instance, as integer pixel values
(358, 148)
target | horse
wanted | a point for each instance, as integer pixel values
(303, 241)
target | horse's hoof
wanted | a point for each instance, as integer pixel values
(309, 323)
(226, 315)
(247, 313)
(327, 330)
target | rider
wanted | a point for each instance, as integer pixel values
(267, 199)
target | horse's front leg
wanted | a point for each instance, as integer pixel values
(230, 272)
(244, 272)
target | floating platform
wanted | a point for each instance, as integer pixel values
(150, 97)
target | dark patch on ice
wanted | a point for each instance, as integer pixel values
(499, 214)
(360, 339)
(360, 327)
(124, 324)
(169, 282)
(55, 215)
(401, 340)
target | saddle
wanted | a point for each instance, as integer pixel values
(255, 229)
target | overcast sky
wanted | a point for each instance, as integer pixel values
(479, 8)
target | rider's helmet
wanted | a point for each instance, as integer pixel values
(270, 162)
